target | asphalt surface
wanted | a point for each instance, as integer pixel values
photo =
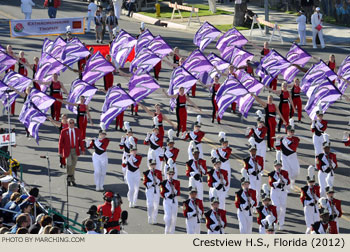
(84, 195)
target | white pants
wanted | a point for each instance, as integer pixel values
(216, 232)
(117, 9)
(255, 184)
(124, 158)
(324, 180)
(100, 163)
(170, 214)
(318, 144)
(320, 36)
(262, 229)
(133, 180)
(261, 149)
(28, 15)
(192, 225)
(189, 150)
(291, 165)
(279, 199)
(198, 185)
(221, 194)
(310, 217)
(165, 170)
(226, 166)
(302, 37)
(89, 19)
(245, 221)
(152, 203)
(157, 153)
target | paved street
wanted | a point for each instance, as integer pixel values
(84, 195)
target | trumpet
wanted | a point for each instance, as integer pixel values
(249, 204)
(282, 181)
(197, 212)
(217, 216)
(334, 215)
(222, 182)
(314, 198)
(154, 182)
(256, 169)
(172, 190)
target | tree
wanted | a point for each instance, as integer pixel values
(240, 9)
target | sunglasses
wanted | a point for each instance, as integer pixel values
(71, 122)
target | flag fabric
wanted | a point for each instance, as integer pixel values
(41, 100)
(271, 66)
(121, 47)
(58, 48)
(18, 82)
(160, 47)
(344, 72)
(73, 52)
(236, 56)
(47, 46)
(96, 67)
(199, 66)
(6, 61)
(323, 94)
(253, 86)
(117, 100)
(80, 88)
(231, 38)
(2, 49)
(220, 64)
(230, 91)
(316, 75)
(140, 86)
(144, 62)
(298, 56)
(143, 40)
(47, 66)
(205, 35)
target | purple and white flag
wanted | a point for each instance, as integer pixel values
(121, 47)
(324, 94)
(73, 52)
(96, 67)
(140, 86)
(317, 74)
(47, 66)
(199, 66)
(220, 64)
(298, 56)
(117, 100)
(236, 56)
(80, 88)
(58, 48)
(6, 61)
(271, 66)
(144, 62)
(230, 91)
(18, 82)
(41, 100)
(2, 49)
(344, 72)
(231, 38)
(47, 46)
(143, 40)
(160, 47)
(205, 34)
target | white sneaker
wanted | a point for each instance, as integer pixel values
(149, 220)
(130, 204)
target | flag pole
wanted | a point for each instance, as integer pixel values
(9, 130)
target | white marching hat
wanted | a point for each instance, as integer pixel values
(214, 156)
(133, 145)
(291, 124)
(245, 177)
(252, 144)
(326, 141)
(193, 146)
(198, 121)
(171, 134)
(310, 174)
(222, 137)
(320, 109)
(278, 160)
(265, 192)
(127, 127)
(261, 117)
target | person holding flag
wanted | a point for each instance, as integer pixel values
(214, 89)
(108, 78)
(296, 99)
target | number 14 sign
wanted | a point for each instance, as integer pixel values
(5, 139)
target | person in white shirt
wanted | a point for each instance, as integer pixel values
(317, 29)
(92, 8)
(26, 8)
(117, 4)
(301, 20)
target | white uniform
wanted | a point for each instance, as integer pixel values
(310, 200)
(254, 167)
(289, 156)
(193, 210)
(92, 8)
(169, 191)
(224, 155)
(125, 145)
(301, 20)
(216, 221)
(245, 204)
(326, 175)
(195, 170)
(153, 140)
(152, 180)
(167, 154)
(133, 178)
(197, 138)
(316, 19)
(216, 188)
(318, 128)
(100, 161)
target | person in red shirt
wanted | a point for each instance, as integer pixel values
(296, 99)
(108, 78)
(346, 138)
(52, 6)
(214, 89)
(34, 68)
(22, 62)
(266, 49)
(331, 63)
(110, 211)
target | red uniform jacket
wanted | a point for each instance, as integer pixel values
(321, 228)
(249, 165)
(319, 127)
(170, 153)
(194, 167)
(214, 178)
(148, 178)
(326, 163)
(100, 146)
(106, 210)
(64, 144)
(154, 141)
(57, 3)
(347, 142)
(133, 163)
(306, 196)
(337, 205)
(195, 136)
(241, 200)
(189, 209)
(258, 134)
(265, 211)
(165, 189)
(283, 177)
(224, 153)
(124, 144)
(211, 219)
(288, 145)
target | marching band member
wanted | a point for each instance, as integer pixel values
(215, 88)
(215, 218)
(154, 141)
(267, 213)
(99, 158)
(270, 118)
(254, 165)
(323, 226)
(22, 62)
(151, 180)
(125, 145)
(217, 180)
(278, 181)
(108, 78)
(334, 207)
(326, 163)
(193, 211)
(288, 146)
(170, 153)
(318, 127)
(309, 196)
(245, 201)
(133, 173)
(346, 138)
(224, 153)
(169, 190)
(196, 168)
(196, 136)
(258, 134)
(270, 225)
(34, 68)
(296, 99)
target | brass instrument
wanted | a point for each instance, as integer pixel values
(282, 181)
(330, 164)
(154, 182)
(172, 190)
(249, 203)
(314, 198)
(222, 181)
(256, 169)
(334, 215)
(197, 212)
(218, 218)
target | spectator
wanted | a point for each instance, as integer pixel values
(47, 229)
(317, 28)
(345, 13)
(22, 220)
(90, 227)
(8, 217)
(130, 5)
(12, 187)
(35, 228)
(93, 216)
(26, 207)
(92, 8)
(52, 7)
(54, 230)
(45, 220)
(26, 7)
(117, 4)
(98, 29)
(3, 230)
(307, 6)
(103, 20)
(22, 230)
(111, 23)
(301, 20)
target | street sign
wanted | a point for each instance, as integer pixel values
(5, 139)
